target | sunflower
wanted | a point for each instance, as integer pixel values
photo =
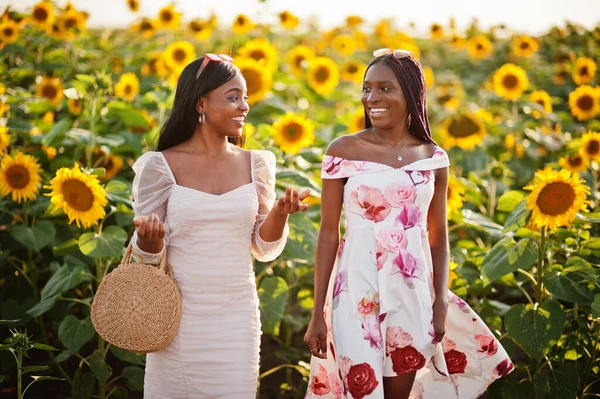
(354, 20)
(457, 41)
(262, 51)
(584, 70)
(542, 98)
(447, 94)
(42, 15)
(357, 121)
(134, 5)
(155, 65)
(453, 275)
(116, 64)
(73, 20)
(288, 20)
(524, 46)
(51, 89)
(361, 39)
(455, 195)
(128, 86)
(560, 73)
(479, 47)
(584, 103)
(19, 177)
(436, 31)
(298, 57)
(146, 26)
(353, 71)
(179, 54)
(5, 139)
(49, 151)
(9, 30)
(429, 76)
(150, 122)
(75, 106)
(555, 198)
(575, 162)
(202, 30)
(249, 131)
(590, 145)
(79, 195)
(242, 25)
(259, 80)
(293, 132)
(463, 130)
(344, 45)
(48, 118)
(322, 75)
(112, 164)
(408, 44)
(168, 18)
(510, 81)
(4, 108)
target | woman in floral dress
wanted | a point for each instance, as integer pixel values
(385, 324)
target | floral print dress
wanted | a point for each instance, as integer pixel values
(379, 306)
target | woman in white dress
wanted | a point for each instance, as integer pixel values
(211, 205)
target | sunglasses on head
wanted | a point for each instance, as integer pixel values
(396, 53)
(212, 57)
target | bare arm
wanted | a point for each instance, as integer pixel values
(438, 233)
(274, 225)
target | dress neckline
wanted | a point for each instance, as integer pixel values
(385, 164)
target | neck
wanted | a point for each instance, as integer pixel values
(395, 136)
(209, 142)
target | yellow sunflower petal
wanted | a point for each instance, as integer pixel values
(293, 133)
(20, 177)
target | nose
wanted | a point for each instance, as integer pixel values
(244, 106)
(373, 96)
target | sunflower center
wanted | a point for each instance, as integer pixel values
(555, 198)
(524, 45)
(166, 16)
(195, 26)
(541, 102)
(322, 75)
(152, 64)
(78, 195)
(70, 22)
(575, 161)
(435, 28)
(352, 68)
(17, 176)
(585, 102)
(593, 147)
(449, 192)
(298, 60)
(49, 91)
(510, 81)
(283, 17)
(479, 46)
(253, 81)
(145, 25)
(128, 89)
(40, 14)
(179, 55)
(293, 131)
(463, 127)
(8, 31)
(257, 55)
(241, 21)
(584, 70)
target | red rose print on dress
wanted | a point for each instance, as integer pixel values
(397, 194)
(408, 267)
(410, 216)
(406, 360)
(396, 337)
(504, 367)
(361, 380)
(392, 239)
(487, 346)
(456, 361)
(369, 203)
(320, 382)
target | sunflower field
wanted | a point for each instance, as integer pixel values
(517, 115)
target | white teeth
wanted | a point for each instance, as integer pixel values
(238, 118)
(378, 110)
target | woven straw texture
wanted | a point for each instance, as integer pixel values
(138, 306)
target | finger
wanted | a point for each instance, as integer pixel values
(137, 221)
(162, 231)
(303, 207)
(322, 345)
(294, 197)
(141, 230)
(288, 195)
(304, 194)
(155, 227)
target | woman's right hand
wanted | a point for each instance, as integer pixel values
(316, 336)
(149, 228)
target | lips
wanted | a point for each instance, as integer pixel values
(377, 111)
(239, 120)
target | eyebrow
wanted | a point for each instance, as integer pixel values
(234, 89)
(379, 81)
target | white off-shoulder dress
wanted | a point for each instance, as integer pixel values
(209, 241)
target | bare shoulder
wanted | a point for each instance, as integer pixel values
(346, 146)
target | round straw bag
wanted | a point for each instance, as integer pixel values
(138, 306)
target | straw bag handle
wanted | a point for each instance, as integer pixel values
(163, 261)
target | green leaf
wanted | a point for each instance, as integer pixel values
(2, 377)
(99, 367)
(592, 243)
(118, 191)
(129, 357)
(589, 217)
(512, 389)
(126, 114)
(43, 347)
(7, 322)
(302, 241)
(109, 243)
(64, 279)
(74, 333)
(536, 328)
(66, 247)
(57, 134)
(135, 378)
(273, 295)
(596, 306)
(482, 223)
(83, 385)
(30, 369)
(296, 178)
(507, 256)
(36, 237)
(42, 307)
(515, 218)
(509, 201)
(559, 383)
(305, 299)
(18, 124)
(571, 283)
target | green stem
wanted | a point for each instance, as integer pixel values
(19, 375)
(101, 343)
(60, 298)
(539, 288)
(45, 341)
(492, 198)
(92, 140)
(588, 367)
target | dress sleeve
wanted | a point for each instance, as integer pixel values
(264, 178)
(151, 189)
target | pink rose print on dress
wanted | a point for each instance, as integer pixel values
(336, 387)
(396, 337)
(392, 239)
(366, 306)
(397, 194)
(504, 367)
(369, 203)
(340, 285)
(372, 331)
(379, 256)
(462, 305)
(417, 391)
(320, 382)
(331, 165)
(408, 266)
(486, 345)
(410, 216)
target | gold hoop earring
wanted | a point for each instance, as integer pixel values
(201, 118)
(408, 120)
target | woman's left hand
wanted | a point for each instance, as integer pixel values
(440, 311)
(291, 202)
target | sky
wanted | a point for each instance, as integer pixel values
(526, 16)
